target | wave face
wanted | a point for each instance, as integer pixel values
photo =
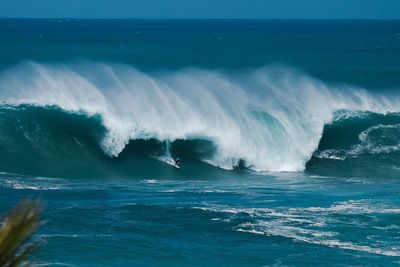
(361, 144)
(270, 119)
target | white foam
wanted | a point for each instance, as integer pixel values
(29, 186)
(271, 118)
(313, 237)
(353, 207)
(311, 224)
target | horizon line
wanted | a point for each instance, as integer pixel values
(221, 19)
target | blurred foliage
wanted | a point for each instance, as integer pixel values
(15, 232)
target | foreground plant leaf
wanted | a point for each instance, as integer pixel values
(17, 227)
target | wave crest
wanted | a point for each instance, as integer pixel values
(272, 118)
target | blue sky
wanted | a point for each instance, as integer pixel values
(291, 9)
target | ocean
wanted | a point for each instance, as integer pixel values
(288, 134)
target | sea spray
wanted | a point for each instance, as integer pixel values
(271, 118)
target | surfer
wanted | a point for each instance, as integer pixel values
(177, 162)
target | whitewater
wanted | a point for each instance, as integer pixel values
(271, 118)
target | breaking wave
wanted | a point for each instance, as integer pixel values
(270, 119)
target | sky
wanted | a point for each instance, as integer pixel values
(202, 9)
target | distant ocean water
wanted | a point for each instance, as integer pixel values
(288, 133)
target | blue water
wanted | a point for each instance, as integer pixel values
(288, 133)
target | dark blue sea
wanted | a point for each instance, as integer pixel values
(288, 135)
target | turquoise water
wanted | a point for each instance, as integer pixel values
(288, 133)
(248, 220)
